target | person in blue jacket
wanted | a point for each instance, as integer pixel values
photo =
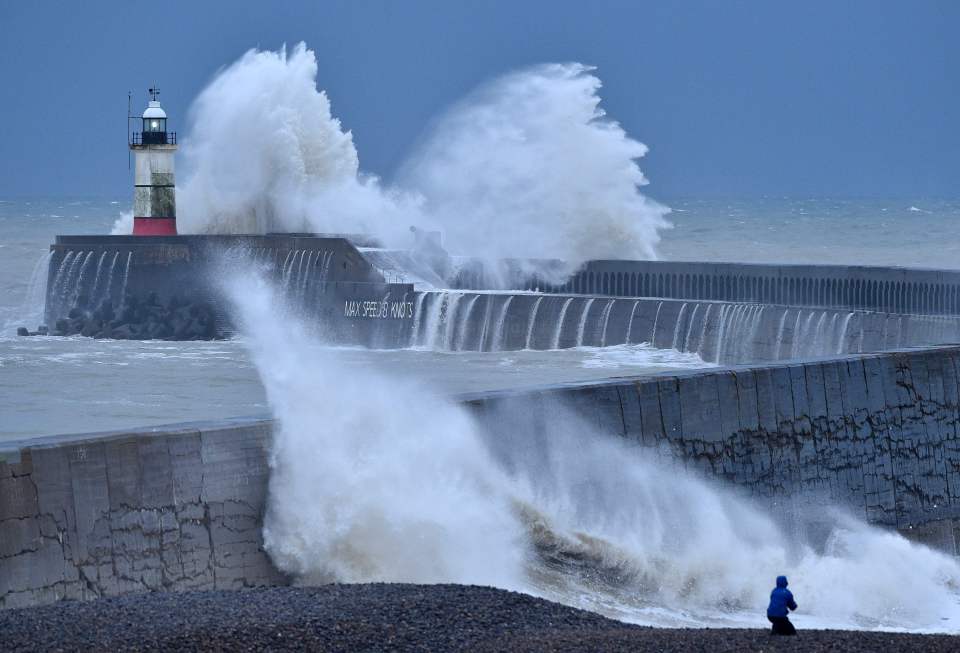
(781, 602)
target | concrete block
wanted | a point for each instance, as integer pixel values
(31, 570)
(670, 410)
(187, 468)
(630, 407)
(18, 498)
(648, 394)
(728, 403)
(894, 418)
(91, 500)
(156, 486)
(691, 420)
(235, 466)
(816, 398)
(123, 472)
(783, 401)
(801, 402)
(856, 404)
(609, 413)
(18, 536)
(747, 408)
(766, 404)
(55, 502)
(833, 393)
(802, 428)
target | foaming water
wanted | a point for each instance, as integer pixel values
(361, 487)
(58, 385)
(530, 165)
(375, 478)
(297, 171)
(619, 356)
(624, 533)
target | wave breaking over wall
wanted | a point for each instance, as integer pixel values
(527, 166)
(375, 479)
(410, 495)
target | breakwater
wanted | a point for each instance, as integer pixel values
(125, 287)
(164, 287)
(883, 289)
(720, 332)
(181, 507)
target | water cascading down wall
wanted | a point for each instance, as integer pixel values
(724, 312)
(145, 288)
(719, 332)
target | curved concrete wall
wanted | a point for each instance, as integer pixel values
(85, 270)
(181, 508)
(889, 290)
(875, 433)
(719, 332)
(327, 278)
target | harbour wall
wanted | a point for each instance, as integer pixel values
(181, 507)
(128, 287)
(719, 332)
(882, 289)
(145, 288)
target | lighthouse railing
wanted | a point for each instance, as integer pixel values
(153, 138)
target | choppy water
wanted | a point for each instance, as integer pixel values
(74, 385)
(57, 385)
(902, 232)
(53, 385)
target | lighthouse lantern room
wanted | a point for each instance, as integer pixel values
(154, 194)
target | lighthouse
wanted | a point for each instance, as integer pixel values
(154, 195)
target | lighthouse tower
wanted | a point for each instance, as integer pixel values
(154, 201)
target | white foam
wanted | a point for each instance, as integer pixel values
(377, 479)
(616, 356)
(529, 165)
(372, 478)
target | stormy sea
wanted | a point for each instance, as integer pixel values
(378, 473)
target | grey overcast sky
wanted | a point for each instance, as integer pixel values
(734, 98)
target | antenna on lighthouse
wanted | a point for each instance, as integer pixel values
(129, 116)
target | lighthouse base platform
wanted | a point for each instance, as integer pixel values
(171, 287)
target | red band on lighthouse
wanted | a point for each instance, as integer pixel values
(154, 226)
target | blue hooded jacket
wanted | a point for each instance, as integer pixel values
(781, 599)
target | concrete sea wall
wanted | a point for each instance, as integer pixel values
(182, 507)
(876, 433)
(885, 289)
(154, 509)
(129, 287)
(720, 332)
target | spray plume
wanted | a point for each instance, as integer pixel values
(527, 166)
(530, 166)
(377, 479)
(372, 478)
(266, 154)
